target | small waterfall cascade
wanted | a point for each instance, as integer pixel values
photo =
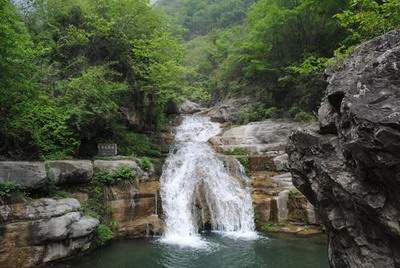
(193, 169)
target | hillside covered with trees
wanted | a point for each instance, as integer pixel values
(274, 50)
(71, 69)
(73, 72)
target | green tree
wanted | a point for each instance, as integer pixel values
(366, 19)
(16, 72)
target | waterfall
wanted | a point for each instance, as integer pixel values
(193, 165)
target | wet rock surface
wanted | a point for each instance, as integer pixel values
(189, 107)
(349, 168)
(135, 208)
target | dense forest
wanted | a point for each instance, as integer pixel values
(275, 51)
(74, 73)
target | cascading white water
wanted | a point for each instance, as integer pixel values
(191, 163)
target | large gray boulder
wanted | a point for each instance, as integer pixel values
(70, 225)
(353, 177)
(258, 137)
(281, 162)
(43, 230)
(70, 171)
(228, 110)
(54, 229)
(44, 208)
(28, 175)
(189, 107)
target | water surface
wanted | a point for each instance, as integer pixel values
(222, 252)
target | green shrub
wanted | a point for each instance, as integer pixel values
(304, 117)
(124, 173)
(270, 227)
(131, 143)
(237, 151)
(7, 188)
(104, 234)
(258, 112)
(294, 193)
(271, 113)
(145, 163)
(293, 111)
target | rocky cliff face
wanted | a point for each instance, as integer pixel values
(349, 167)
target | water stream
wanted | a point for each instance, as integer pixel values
(193, 172)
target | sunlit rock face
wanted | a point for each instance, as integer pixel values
(258, 137)
(349, 167)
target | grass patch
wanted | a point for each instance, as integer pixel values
(271, 227)
(103, 234)
(106, 177)
(237, 151)
(295, 193)
(9, 189)
(145, 163)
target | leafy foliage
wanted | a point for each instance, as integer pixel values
(103, 234)
(146, 163)
(366, 19)
(7, 188)
(123, 173)
(76, 69)
(258, 112)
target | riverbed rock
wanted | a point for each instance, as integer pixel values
(258, 137)
(189, 107)
(352, 177)
(70, 171)
(44, 230)
(228, 110)
(281, 162)
(28, 175)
